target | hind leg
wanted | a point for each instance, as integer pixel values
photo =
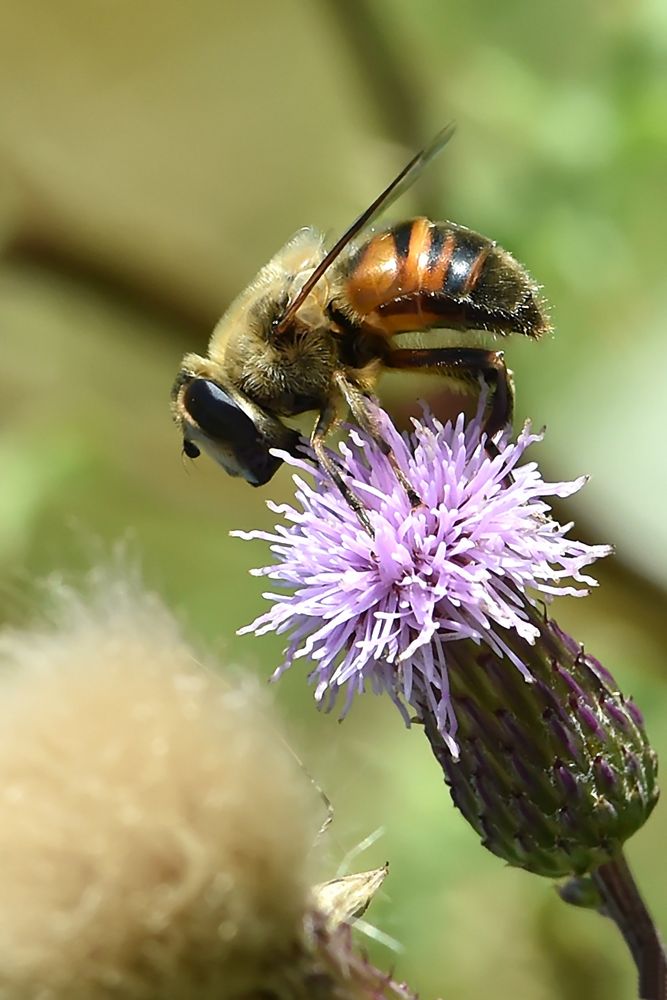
(466, 365)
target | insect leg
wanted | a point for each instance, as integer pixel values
(466, 365)
(325, 424)
(358, 404)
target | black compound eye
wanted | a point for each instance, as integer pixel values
(190, 449)
(217, 414)
(231, 435)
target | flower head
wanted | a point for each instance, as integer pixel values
(381, 611)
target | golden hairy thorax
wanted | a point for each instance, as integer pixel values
(293, 371)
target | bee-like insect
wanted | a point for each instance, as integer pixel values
(316, 328)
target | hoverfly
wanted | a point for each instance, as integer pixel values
(317, 327)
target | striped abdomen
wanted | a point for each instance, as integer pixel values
(419, 274)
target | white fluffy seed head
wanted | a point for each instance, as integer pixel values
(154, 829)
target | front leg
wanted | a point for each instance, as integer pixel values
(365, 417)
(326, 422)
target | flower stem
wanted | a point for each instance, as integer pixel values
(622, 903)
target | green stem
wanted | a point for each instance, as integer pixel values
(623, 903)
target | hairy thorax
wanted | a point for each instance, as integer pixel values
(287, 374)
(293, 370)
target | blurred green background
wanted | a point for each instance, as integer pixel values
(152, 156)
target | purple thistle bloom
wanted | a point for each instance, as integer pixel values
(379, 612)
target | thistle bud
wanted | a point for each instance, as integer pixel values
(555, 773)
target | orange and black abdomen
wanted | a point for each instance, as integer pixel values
(419, 275)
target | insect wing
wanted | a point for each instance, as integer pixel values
(398, 186)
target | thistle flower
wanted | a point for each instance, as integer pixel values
(442, 608)
(382, 612)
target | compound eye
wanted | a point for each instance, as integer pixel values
(190, 449)
(229, 434)
(216, 412)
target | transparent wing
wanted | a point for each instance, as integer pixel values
(400, 184)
